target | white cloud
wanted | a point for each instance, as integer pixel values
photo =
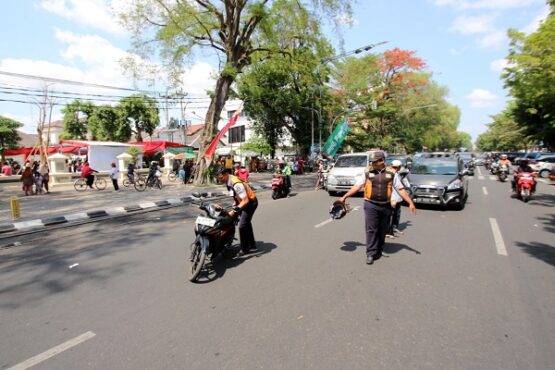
(472, 24)
(486, 4)
(493, 39)
(535, 24)
(498, 65)
(481, 98)
(92, 13)
(199, 78)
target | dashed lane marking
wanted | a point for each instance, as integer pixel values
(485, 190)
(499, 243)
(53, 351)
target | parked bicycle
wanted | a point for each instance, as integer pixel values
(81, 183)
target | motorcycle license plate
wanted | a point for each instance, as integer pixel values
(201, 220)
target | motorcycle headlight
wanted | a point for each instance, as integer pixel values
(455, 185)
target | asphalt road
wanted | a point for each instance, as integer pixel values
(450, 292)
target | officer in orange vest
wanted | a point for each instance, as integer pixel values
(378, 184)
(245, 206)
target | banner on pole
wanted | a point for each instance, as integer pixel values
(336, 138)
(209, 152)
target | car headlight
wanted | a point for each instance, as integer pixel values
(332, 180)
(455, 185)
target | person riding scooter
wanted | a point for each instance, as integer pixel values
(522, 167)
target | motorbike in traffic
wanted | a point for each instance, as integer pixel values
(502, 173)
(494, 167)
(525, 185)
(279, 190)
(214, 235)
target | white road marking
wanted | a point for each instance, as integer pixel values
(76, 216)
(330, 220)
(116, 211)
(323, 223)
(499, 243)
(74, 265)
(53, 351)
(147, 205)
(485, 190)
(27, 224)
(479, 170)
(480, 177)
(493, 178)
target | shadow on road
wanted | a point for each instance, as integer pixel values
(391, 248)
(217, 268)
(540, 251)
(351, 246)
(548, 222)
(545, 200)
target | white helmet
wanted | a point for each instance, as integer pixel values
(396, 163)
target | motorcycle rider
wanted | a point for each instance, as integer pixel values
(504, 160)
(245, 206)
(522, 167)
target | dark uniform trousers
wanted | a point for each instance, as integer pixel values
(376, 220)
(246, 233)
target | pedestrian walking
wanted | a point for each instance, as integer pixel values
(45, 174)
(114, 176)
(28, 179)
(378, 184)
(396, 201)
(245, 206)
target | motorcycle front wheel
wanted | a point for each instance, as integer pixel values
(275, 194)
(198, 255)
(525, 195)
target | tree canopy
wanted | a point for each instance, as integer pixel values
(9, 137)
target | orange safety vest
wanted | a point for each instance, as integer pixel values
(378, 186)
(250, 193)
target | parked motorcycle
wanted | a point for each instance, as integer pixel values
(279, 190)
(502, 173)
(525, 185)
(214, 234)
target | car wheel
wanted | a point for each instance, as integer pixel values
(544, 174)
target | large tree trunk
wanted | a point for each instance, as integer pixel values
(211, 126)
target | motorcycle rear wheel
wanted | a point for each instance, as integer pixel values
(198, 256)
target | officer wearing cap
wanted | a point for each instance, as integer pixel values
(245, 206)
(378, 184)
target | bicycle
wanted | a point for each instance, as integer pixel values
(81, 183)
(141, 183)
(131, 179)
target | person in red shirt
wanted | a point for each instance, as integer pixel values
(87, 173)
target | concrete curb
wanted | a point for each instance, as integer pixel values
(90, 215)
(38, 224)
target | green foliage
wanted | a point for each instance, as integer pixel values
(76, 114)
(531, 81)
(257, 144)
(107, 123)
(504, 133)
(9, 137)
(134, 152)
(140, 110)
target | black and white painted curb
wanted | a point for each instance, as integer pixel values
(38, 224)
(90, 215)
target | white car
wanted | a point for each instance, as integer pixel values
(544, 166)
(345, 171)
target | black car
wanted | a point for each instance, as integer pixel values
(439, 181)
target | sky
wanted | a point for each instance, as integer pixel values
(463, 42)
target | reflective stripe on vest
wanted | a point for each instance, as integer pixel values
(235, 180)
(378, 186)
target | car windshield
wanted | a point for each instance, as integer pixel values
(351, 161)
(435, 167)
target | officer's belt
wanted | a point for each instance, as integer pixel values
(378, 203)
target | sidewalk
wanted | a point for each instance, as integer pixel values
(65, 204)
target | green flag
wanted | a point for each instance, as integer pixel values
(336, 138)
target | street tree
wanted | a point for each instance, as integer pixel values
(141, 112)
(9, 137)
(230, 28)
(108, 123)
(76, 114)
(258, 145)
(504, 133)
(531, 81)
